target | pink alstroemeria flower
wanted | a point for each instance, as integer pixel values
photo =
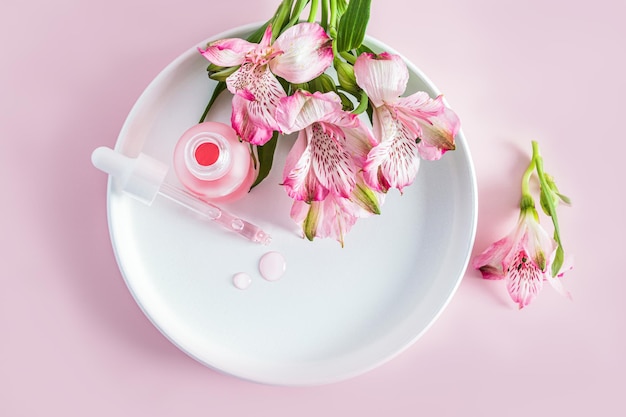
(523, 259)
(323, 168)
(334, 216)
(298, 55)
(405, 127)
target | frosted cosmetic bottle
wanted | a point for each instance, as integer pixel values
(212, 163)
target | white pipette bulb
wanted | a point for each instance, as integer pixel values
(141, 177)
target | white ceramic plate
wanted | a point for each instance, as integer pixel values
(337, 312)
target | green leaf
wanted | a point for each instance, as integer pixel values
(565, 199)
(257, 35)
(277, 21)
(219, 88)
(346, 103)
(352, 26)
(558, 261)
(363, 48)
(547, 202)
(550, 208)
(364, 103)
(555, 190)
(265, 154)
(281, 18)
(342, 5)
(297, 11)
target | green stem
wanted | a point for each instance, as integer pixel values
(344, 54)
(526, 177)
(362, 104)
(221, 86)
(324, 19)
(297, 11)
(527, 202)
(333, 18)
(551, 209)
(313, 11)
(348, 57)
(543, 183)
(535, 149)
(278, 21)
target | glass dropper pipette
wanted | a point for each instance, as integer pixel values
(144, 178)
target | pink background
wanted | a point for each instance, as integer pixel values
(73, 341)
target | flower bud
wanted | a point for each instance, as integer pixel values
(300, 86)
(345, 75)
(221, 73)
(324, 83)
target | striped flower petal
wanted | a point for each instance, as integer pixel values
(523, 259)
(261, 91)
(434, 123)
(394, 162)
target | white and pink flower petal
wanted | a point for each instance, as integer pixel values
(330, 218)
(384, 77)
(298, 176)
(303, 108)
(490, 262)
(394, 162)
(358, 143)
(267, 38)
(306, 53)
(538, 244)
(435, 124)
(521, 259)
(227, 52)
(247, 129)
(556, 281)
(421, 105)
(262, 92)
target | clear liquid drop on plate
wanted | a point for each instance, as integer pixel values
(242, 280)
(272, 266)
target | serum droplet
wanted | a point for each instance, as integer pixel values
(272, 266)
(242, 280)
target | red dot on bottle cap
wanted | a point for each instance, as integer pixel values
(207, 153)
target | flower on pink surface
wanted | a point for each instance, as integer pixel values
(523, 259)
(322, 171)
(298, 55)
(406, 128)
